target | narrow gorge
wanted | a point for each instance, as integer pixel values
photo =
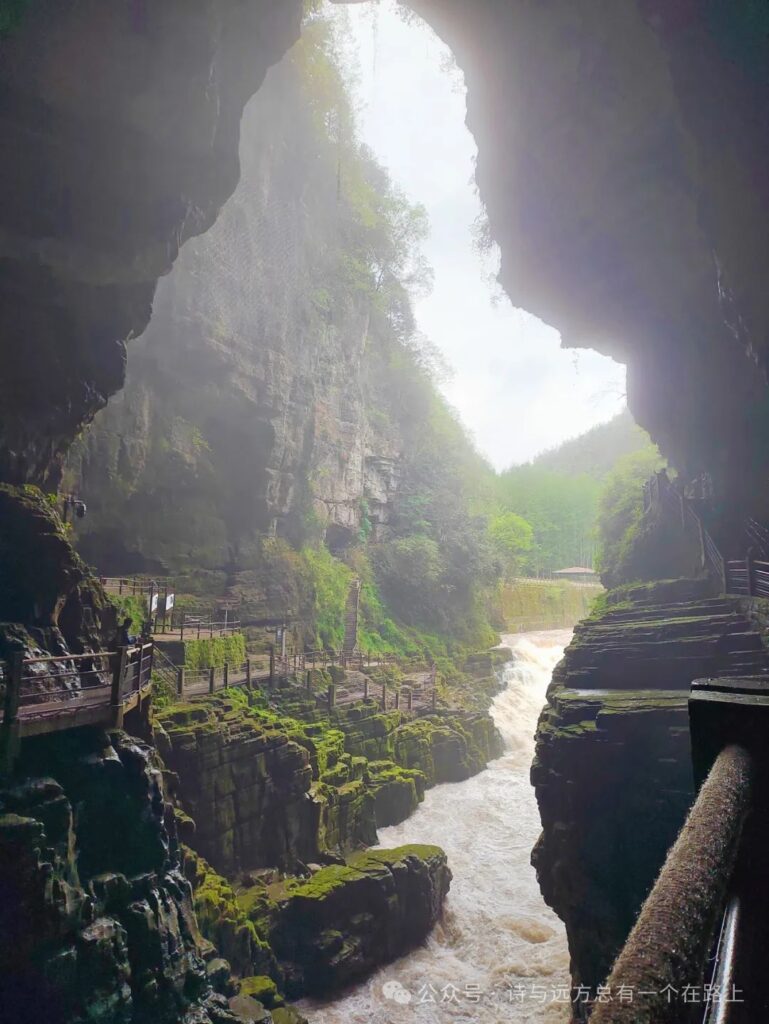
(262, 756)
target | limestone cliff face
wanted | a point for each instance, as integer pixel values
(254, 402)
(266, 790)
(612, 770)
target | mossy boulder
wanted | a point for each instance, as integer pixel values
(263, 989)
(397, 791)
(348, 919)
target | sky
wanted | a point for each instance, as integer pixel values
(517, 391)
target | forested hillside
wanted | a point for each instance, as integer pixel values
(558, 494)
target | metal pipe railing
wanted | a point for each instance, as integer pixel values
(666, 953)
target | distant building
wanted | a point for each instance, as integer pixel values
(578, 574)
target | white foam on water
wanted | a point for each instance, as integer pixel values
(499, 954)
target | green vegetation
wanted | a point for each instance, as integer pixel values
(11, 14)
(328, 582)
(621, 512)
(558, 494)
(215, 652)
(512, 537)
(546, 604)
(132, 607)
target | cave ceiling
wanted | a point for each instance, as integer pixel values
(622, 160)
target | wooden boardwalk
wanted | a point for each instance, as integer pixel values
(66, 691)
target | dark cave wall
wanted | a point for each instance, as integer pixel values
(119, 125)
(623, 148)
(622, 156)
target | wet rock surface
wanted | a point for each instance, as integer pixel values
(612, 770)
(96, 920)
(284, 784)
(348, 919)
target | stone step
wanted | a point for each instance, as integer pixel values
(663, 612)
(640, 631)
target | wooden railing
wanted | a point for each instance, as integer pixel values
(131, 586)
(414, 695)
(57, 692)
(419, 695)
(192, 627)
(747, 576)
(660, 491)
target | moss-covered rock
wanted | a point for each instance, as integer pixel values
(347, 919)
(283, 785)
(397, 791)
(263, 989)
(96, 921)
(224, 924)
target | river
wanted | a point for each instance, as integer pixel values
(499, 954)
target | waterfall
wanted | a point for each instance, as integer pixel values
(499, 954)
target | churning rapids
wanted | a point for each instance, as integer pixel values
(499, 954)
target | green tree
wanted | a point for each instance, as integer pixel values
(621, 511)
(511, 537)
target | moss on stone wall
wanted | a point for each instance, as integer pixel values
(215, 652)
(544, 605)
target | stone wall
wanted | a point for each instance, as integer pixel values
(612, 770)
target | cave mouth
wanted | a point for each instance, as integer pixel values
(505, 372)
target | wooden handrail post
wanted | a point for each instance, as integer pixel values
(331, 696)
(180, 681)
(435, 699)
(410, 700)
(749, 572)
(272, 665)
(703, 555)
(309, 680)
(248, 673)
(116, 697)
(140, 666)
(10, 739)
(211, 679)
(152, 661)
(226, 675)
(384, 696)
(118, 674)
(13, 688)
(397, 699)
(365, 688)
